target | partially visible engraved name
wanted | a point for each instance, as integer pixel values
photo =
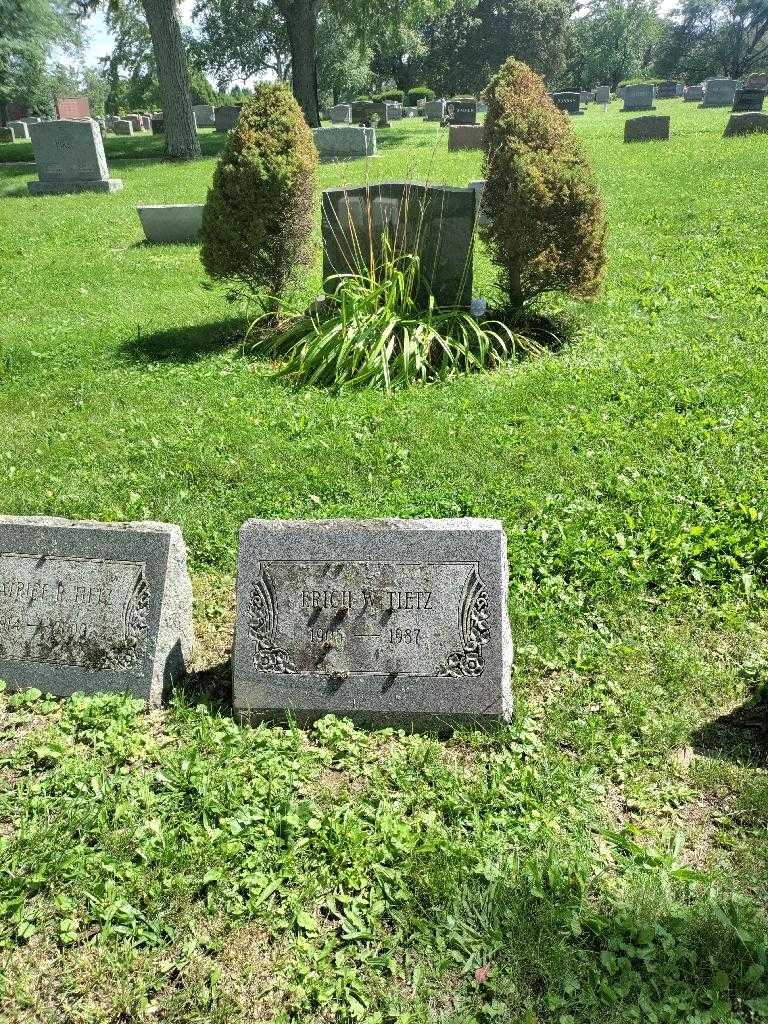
(84, 612)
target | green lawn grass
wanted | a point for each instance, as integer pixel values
(605, 858)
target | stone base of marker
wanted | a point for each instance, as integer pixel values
(746, 124)
(391, 622)
(345, 142)
(465, 136)
(97, 607)
(63, 188)
(176, 222)
(655, 127)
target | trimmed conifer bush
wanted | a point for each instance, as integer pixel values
(545, 227)
(420, 92)
(258, 218)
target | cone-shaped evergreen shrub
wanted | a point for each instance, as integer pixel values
(258, 218)
(545, 230)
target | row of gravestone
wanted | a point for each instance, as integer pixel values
(397, 621)
(655, 127)
(717, 92)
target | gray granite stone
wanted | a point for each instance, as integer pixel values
(465, 136)
(340, 114)
(204, 115)
(461, 111)
(400, 622)
(20, 130)
(746, 124)
(646, 129)
(568, 102)
(122, 126)
(719, 92)
(225, 118)
(434, 110)
(93, 606)
(172, 222)
(748, 101)
(345, 143)
(693, 94)
(69, 157)
(434, 221)
(638, 97)
(667, 90)
(603, 94)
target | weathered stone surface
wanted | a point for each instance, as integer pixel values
(389, 621)
(345, 143)
(434, 110)
(340, 114)
(122, 126)
(461, 111)
(465, 136)
(746, 123)
(436, 222)
(136, 121)
(93, 606)
(719, 92)
(693, 94)
(174, 222)
(204, 115)
(603, 94)
(69, 157)
(638, 97)
(748, 100)
(225, 118)
(646, 129)
(20, 130)
(568, 102)
(667, 90)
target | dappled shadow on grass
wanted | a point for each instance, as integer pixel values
(551, 332)
(741, 735)
(184, 344)
(150, 147)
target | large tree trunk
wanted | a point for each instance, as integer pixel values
(301, 23)
(181, 141)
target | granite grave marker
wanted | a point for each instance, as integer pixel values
(391, 621)
(638, 97)
(345, 143)
(748, 100)
(646, 129)
(70, 158)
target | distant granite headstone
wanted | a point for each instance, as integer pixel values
(461, 111)
(340, 114)
(568, 102)
(666, 90)
(204, 115)
(93, 606)
(72, 108)
(434, 110)
(345, 143)
(693, 94)
(435, 222)
(603, 94)
(20, 130)
(748, 100)
(638, 97)
(361, 112)
(465, 136)
(587, 96)
(69, 157)
(136, 121)
(225, 118)
(719, 92)
(746, 124)
(400, 622)
(158, 125)
(646, 129)
(122, 126)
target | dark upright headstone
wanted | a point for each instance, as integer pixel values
(568, 102)
(461, 111)
(748, 101)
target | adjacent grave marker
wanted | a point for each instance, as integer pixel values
(719, 92)
(748, 100)
(638, 97)
(666, 90)
(746, 124)
(693, 94)
(93, 606)
(568, 102)
(646, 129)
(340, 114)
(465, 136)
(225, 118)
(461, 111)
(173, 222)
(434, 110)
(603, 94)
(121, 126)
(434, 221)
(393, 621)
(70, 158)
(345, 143)
(72, 108)
(204, 115)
